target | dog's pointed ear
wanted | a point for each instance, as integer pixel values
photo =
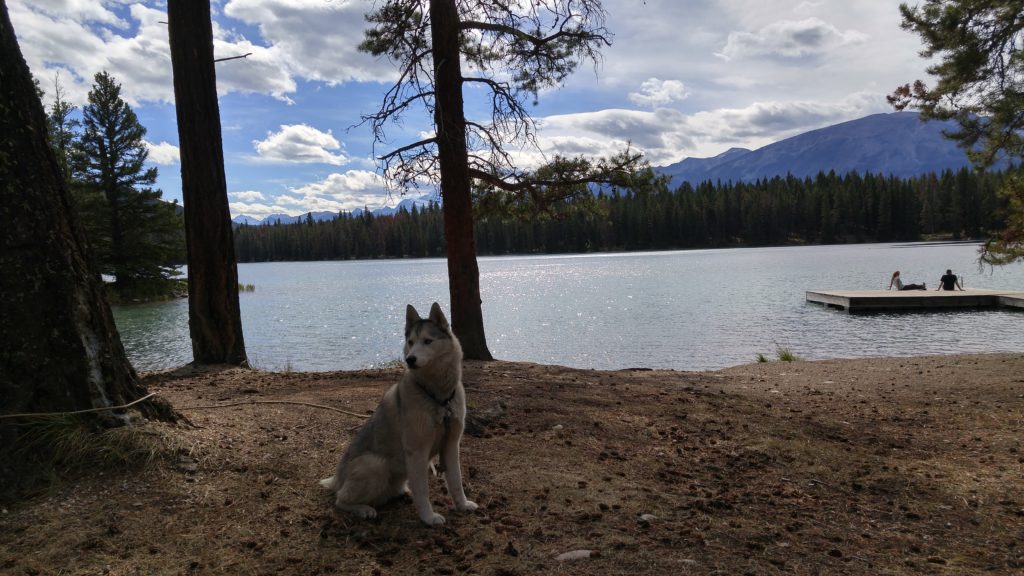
(437, 317)
(411, 317)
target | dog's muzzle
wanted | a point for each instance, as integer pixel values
(410, 361)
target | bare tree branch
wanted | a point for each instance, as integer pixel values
(406, 148)
(215, 60)
(516, 48)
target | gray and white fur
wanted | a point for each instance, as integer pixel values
(420, 417)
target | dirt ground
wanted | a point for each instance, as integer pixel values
(879, 466)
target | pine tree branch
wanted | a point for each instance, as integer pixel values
(536, 41)
(603, 174)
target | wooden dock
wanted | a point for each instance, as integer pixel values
(856, 301)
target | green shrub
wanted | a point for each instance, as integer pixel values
(787, 355)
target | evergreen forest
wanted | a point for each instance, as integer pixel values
(827, 209)
(134, 236)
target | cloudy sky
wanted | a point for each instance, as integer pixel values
(682, 78)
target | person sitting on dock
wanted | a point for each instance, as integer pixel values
(949, 281)
(895, 280)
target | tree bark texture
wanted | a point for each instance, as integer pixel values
(59, 347)
(215, 322)
(450, 123)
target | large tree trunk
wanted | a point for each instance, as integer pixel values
(450, 122)
(215, 322)
(59, 348)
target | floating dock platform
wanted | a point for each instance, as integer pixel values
(859, 301)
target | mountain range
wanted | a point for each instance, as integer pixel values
(895, 144)
(407, 204)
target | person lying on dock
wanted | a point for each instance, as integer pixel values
(949, 281)
(895, 281)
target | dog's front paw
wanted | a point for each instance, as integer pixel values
(467, 506)
(433, 519)
(364, 512)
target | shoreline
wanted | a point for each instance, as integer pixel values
(893, 243)
(396, 364)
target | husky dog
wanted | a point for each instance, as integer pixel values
(419, 417)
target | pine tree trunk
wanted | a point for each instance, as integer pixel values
(123, 280)
(59, 347)
(450, 122)
(215, 322)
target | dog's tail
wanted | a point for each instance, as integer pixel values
(329, 483)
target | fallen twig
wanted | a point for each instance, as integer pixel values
(211, 406)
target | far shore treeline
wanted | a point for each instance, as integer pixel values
(778, 211)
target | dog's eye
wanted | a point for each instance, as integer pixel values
(410, 342)
(427, 341)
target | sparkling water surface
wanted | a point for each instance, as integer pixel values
(688, 310)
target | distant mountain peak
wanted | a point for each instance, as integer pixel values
(896, 144)
(243, 219)
(733, 151)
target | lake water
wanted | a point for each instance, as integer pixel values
(689, 310)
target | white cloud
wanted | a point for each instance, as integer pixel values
(654, 92)
(257, 210)
(807, 7)
(139, 61)
(346, 191)
(318, 38)
(46, 39)
(164, 153)
(285, 199)
(83, 37)
(247, 195)
(766, 122)
(300, 143)
(736, 82)
(263, 71)
(789, 39)
(82, 10)
(607, 131)
(341, 186)
(666, 136)
(142, 63)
